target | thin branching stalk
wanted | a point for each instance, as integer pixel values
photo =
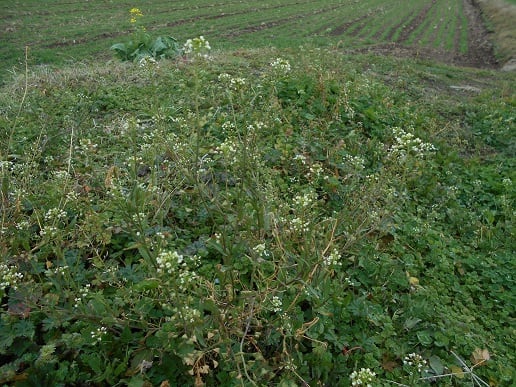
(247, 326)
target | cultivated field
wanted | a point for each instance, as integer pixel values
(450, 30)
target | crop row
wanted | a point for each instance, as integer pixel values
(60, 30)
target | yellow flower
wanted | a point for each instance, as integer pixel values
(136, 12)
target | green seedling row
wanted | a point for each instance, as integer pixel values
(74, 29)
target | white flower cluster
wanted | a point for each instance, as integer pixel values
(290, 365)
(169, 262)
(48, 231)
(301, 158)
(148, 61)
(364, 377)
(408, 144)
(276, 304)
(6, 165)
(356, 162)
(257, 125)
(281, 64)
(416, 360)
(229, 149)
(60, 175)
(228, 127)
(139, 217)
(303, 201)
(315, 171)
(98, 334)
(176, 266)
(261, 250)
(333, 259)
(83, 294)
(186, 278)
(299, 225)
(189, 314)
(72, 196)
(55, 215)
(23, 224)
(86, 146)
(234, 83)
(9, 276)
(59, 270)
(198, 46)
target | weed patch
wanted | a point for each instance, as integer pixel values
(257, 218)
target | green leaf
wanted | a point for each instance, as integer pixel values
(147, 284)
(441, 340)
(436, 365)
(120, 50)
(144, 355)
(411, 323)
(287, 382)
(94, 361)
(425, 338)
(136, 381)
(119, 47)
(159, 45)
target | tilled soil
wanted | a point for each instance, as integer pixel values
(480, 53)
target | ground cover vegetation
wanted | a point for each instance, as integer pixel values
(294, 216)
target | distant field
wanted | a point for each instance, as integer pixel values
(57, 32)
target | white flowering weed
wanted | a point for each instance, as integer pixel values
(281, 65)
(197, 46)
(407, 144)
(415, 360)
(363, 377)
(9, 276)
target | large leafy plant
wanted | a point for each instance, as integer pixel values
(142, 45)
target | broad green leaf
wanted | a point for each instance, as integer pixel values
(147, 284)
(425, 338)
(436, 365)
(411, 323)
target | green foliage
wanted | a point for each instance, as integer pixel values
(143, 46)
(259, 221)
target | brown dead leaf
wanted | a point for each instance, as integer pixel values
(388, 363)
(198, 381)
(480, 356)
(19, 309)
(110, 174)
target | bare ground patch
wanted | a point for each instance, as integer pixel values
(480, 47)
